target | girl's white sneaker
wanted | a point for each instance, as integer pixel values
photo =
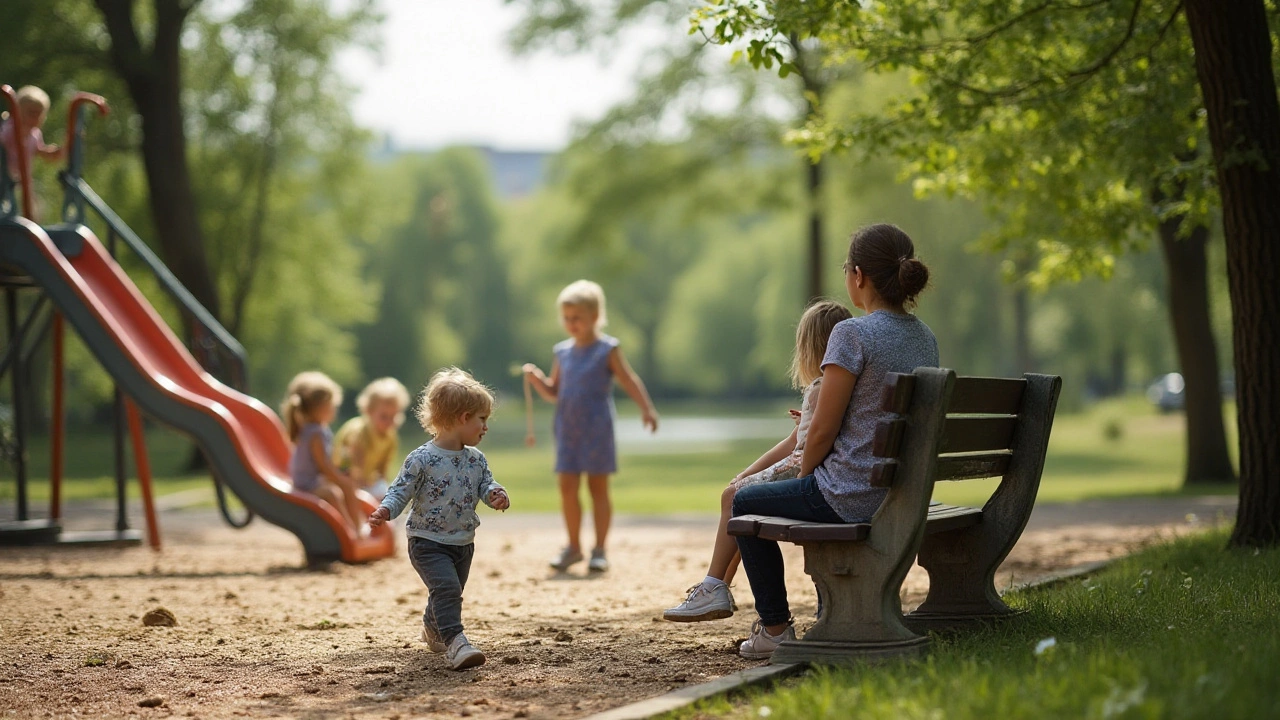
(703, 603)
(760, 645)
(598, 562)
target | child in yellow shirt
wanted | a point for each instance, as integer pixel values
(367, 445)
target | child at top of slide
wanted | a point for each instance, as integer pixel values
(310, 404)
(581, 386)
(33, 104)
(710, 599)
(366, 445)
(445, 478)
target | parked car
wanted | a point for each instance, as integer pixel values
(1168, 392)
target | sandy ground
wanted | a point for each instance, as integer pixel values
(258, 636)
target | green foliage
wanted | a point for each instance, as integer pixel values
(1066, 120)
(283, 195)
(1181, 630)
(444, 287)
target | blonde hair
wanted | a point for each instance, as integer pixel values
(387, 389)
(31, 95)
(811, 340)
(307, 391)
(449, 395)
(585, 294)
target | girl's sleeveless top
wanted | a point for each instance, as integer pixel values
(302, 467)
(584, 408)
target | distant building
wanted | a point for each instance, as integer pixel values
(515, 174)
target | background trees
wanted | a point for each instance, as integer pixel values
(685, 200)
(969, 78)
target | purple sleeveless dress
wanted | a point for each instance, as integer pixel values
(584, 408)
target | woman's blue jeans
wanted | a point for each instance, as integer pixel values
(798, 499)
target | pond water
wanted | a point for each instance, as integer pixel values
(690, 433)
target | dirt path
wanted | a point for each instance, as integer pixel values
(258, 637)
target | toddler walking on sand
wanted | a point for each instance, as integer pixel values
(445, 479)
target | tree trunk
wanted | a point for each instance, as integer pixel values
(1184, 259)
(815, 231)
(813, 89)
(1233, 63)
(154, 80)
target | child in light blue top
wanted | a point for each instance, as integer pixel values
(445, 486)
(445, 479)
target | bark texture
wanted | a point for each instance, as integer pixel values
(153, 74)
(1233, 62)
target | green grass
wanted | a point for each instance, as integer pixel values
(1184, 630)
(1145, 459)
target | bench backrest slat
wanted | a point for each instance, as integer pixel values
(987, 396)
(979, 432)
(968, 466)
(976, 434)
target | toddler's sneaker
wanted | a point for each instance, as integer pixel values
(431, 637)
(761, 644)
(461, 655)
(566, 559)
(703, 603)
(598, 562)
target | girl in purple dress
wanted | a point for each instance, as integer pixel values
(581, 386)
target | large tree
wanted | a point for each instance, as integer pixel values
(147, 55)
(1234, 63)
(1067, 46)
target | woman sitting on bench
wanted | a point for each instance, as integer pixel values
(883, 278)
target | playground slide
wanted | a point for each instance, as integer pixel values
(242, 438)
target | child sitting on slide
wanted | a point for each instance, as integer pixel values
(710, 599)
(309, 406)
(367, 445)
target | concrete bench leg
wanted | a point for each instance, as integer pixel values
(962, 563)
(961, 587)
(861, 611)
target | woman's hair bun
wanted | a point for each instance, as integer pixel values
(913, 277)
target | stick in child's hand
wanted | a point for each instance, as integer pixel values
(528, 413)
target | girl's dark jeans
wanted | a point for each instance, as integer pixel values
(798, 499)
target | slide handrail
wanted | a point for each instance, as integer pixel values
(203, 318)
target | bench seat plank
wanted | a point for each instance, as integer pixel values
(951, 517)
(941, 519)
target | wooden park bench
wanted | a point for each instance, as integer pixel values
(946, 428)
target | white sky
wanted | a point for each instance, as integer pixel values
(446, 76)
